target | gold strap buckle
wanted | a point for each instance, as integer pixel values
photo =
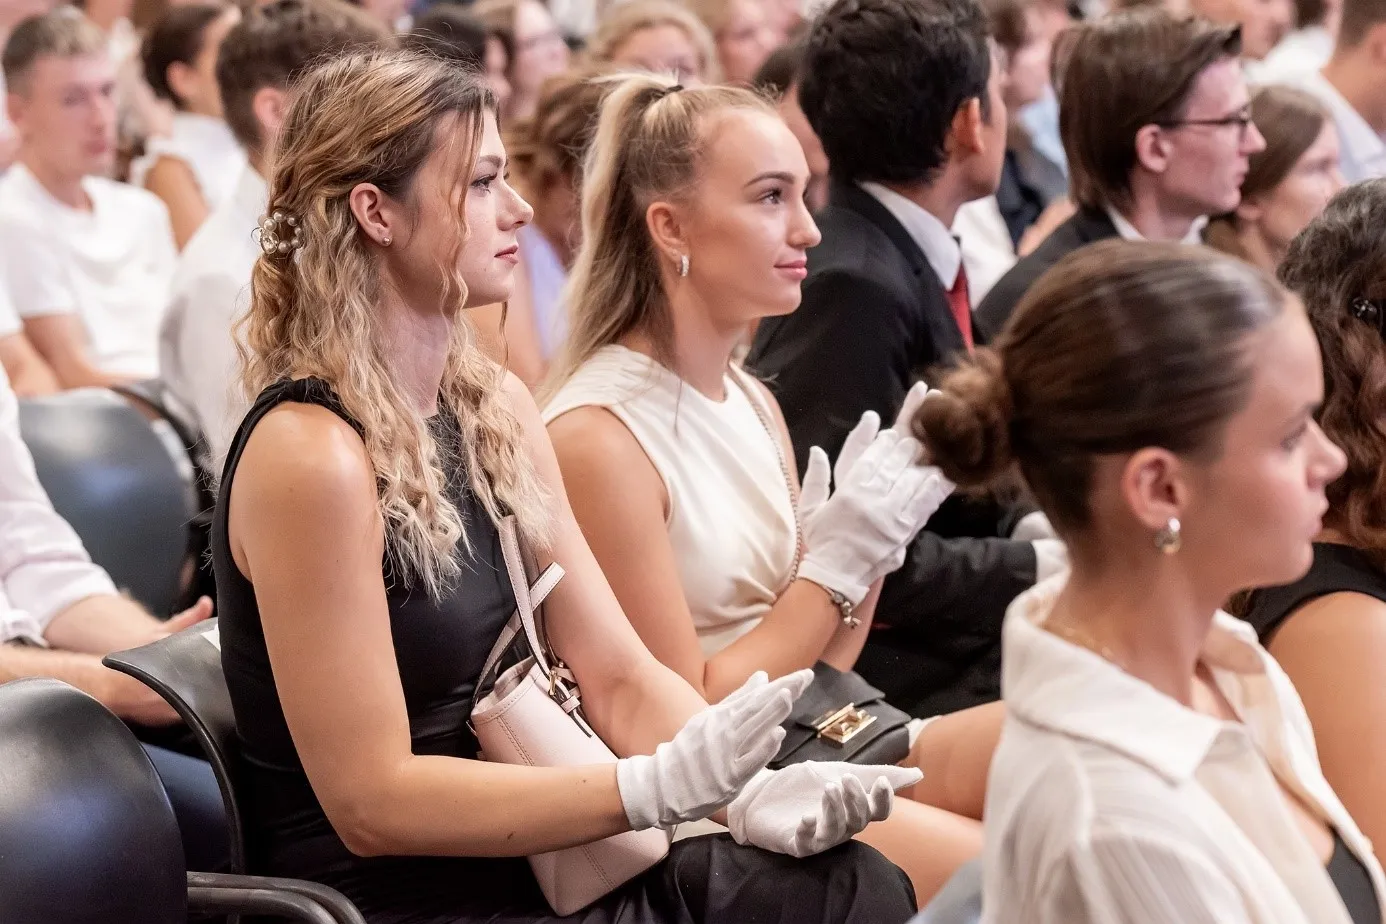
(843, 724)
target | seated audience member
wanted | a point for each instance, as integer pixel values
(1306, 48)
(743, 33)
(676, 461)
(991, 229)
(659, 36)
(26, 371)
(1157, 124)
(1156, 764)
(1288, 184)
(12, 14)
(537, 50)
(886, 300)
(1326, 628)
(1353, 87)
(546, 153)
(195, 168)
(259, 60)
(88, 261)
(778, 77)
(60, 614)
(449, 31)
(362, 585)
(1263, 22)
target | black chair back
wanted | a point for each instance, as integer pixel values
(185, 669)
(87, 834)
(119, 485)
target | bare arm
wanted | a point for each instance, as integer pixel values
(62, 342)
(172, 180)
(1333, 649)
(620, 502)
(29, 374)
(306, 531)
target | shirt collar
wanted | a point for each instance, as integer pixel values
(1361, 143)
(1128, 231)
(933, 237)
(1054, 684)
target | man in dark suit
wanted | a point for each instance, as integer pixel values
(905, 96)
(1156, 123)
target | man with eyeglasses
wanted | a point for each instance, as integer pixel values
(1156, 124)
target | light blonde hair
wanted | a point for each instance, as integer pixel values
(623, 21)
(372, 118)
(61, 33)
(648, 147)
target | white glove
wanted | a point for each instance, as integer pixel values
(866, 429)
(811, 807)
(715, 754)
(1051, 557)
(851, 538)
(1033, 526)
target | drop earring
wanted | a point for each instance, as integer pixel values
(683, 265)
(1169, 539)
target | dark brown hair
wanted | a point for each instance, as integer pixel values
(273, 44)
(1291, 121)
(1008, 22)
(176, 38)
(1121, 346)
(1121, 73)
(1359, 16)
(1337, 265)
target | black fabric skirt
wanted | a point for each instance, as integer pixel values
(704, 879)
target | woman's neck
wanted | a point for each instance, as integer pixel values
(701, 350)
(1148, 620)
(416, 347)
(1258, 251)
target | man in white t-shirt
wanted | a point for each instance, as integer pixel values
(211, 289)
(27, 371)
(88, 261)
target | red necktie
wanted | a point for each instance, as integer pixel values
(961, 305)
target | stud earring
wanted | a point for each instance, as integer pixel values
(385, 241)
(683, 265)
(1169, 539)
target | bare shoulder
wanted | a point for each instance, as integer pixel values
(304, 454)
(591, 438)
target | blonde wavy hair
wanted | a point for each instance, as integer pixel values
(373, 118)
(621, 22)
(648, 147)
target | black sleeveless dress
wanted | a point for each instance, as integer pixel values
(1337, 568)
(440, 648)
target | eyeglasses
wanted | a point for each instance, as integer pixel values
(1240, 119)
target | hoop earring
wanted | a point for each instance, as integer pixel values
(683, 265)
(1169, 539)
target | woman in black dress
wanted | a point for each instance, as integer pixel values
(361, 583)
(1328, 629)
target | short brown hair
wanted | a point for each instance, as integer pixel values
(63, 33)
(1008, 22)
(1359, 16)
(1291, 121)
(1120, 74)
(1336, 265)
(1123, 345)
(272, 45)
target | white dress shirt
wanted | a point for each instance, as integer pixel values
(44, 568)
(211, 291)
(1110, 802)
(110, 266)
(933, 237)
(1128, 232)
(987, 249)
(1362, 150)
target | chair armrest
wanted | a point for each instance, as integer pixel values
(300, 894)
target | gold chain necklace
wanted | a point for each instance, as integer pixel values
(1083, 640)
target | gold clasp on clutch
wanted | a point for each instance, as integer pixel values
(844, 724)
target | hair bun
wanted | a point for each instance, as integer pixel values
(966, 427)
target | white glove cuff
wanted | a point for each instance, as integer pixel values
(832, 579)
(638, 786)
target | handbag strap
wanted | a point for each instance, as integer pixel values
(528, 598)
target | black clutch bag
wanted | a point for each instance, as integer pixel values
(841, 717)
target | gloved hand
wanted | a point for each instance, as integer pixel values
(812, 807)
(1051, 557)
(851, 538)
(712, 757)
(866, 429)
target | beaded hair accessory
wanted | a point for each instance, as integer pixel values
(1369, 311)
(280, 234)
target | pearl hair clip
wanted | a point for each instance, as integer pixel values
(280, 234)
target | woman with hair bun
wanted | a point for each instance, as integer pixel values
(361, 582)
(1328, 629)
(1155, 765)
